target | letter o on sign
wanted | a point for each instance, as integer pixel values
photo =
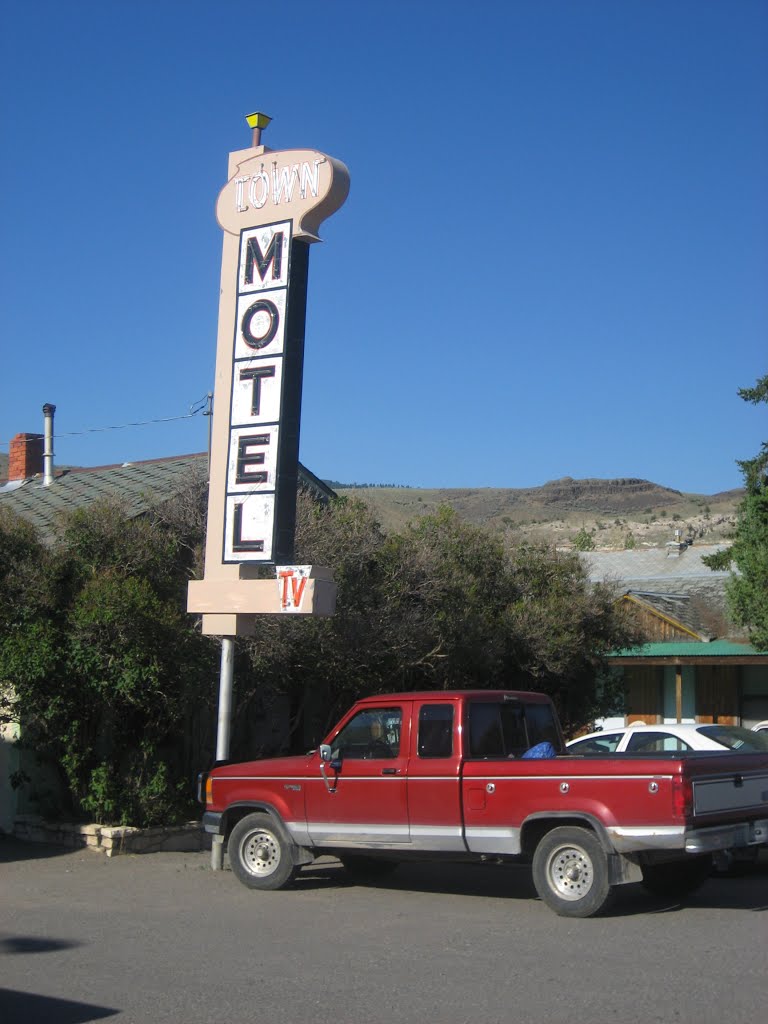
(260, 322)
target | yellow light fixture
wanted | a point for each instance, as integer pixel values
(257, 120)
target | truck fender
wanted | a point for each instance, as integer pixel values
(537, 825)
(621, 869)
(235, 812)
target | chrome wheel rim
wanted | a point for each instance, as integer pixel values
(260, 853)
(570, 873)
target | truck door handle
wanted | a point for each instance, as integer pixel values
(390, 771)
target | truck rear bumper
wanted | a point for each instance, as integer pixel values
(211, 822)
(727, 837)
(692, 840)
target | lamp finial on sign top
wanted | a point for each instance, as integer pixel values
(257, 121)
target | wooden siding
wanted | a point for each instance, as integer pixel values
(644, 693)
(717, 694)
(658, 628)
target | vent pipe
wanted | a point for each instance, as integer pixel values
(48, 411)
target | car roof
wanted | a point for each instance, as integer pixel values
(678, 728)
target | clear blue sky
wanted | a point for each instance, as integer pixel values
(552, 262)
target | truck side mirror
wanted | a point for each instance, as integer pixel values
(325, 752)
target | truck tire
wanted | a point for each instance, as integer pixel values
(677, 878)
(570, 872)
(260, 854)
(367, 869)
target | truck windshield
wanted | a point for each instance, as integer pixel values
(509, 729)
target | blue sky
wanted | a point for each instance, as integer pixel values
(552, 261)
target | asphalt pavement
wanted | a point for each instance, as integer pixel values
(162, 938)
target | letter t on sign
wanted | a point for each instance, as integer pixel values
(292, 581)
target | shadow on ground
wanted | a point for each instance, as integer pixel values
(25, 1008)
(32, 944)
(14, 849)
(749, 891)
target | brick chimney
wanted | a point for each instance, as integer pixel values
(25, 456)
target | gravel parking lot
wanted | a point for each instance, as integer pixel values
(161, 937)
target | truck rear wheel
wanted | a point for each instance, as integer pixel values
(260, 853)
(570, 872)
(678, 877)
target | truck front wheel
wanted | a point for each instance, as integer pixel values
(570, 872)
(260, 854)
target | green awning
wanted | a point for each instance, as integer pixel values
(694, 649)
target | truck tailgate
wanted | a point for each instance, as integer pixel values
(733, 792)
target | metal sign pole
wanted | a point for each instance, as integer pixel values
(223, 729)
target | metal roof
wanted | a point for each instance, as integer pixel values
(653, 565)
(137, 485)
(683, 650)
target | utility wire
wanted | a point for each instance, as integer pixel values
(202, 405)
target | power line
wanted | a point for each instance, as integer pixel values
(202, 405)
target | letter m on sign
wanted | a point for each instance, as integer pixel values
(255, 259)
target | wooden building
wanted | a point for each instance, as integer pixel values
(696, 666)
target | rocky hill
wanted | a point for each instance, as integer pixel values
(616, 513)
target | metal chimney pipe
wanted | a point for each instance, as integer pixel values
(48, 411)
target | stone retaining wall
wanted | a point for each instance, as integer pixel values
(111, 840)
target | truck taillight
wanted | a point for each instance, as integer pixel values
(682, 797)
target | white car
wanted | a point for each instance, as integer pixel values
(761, 726)
(654, 739)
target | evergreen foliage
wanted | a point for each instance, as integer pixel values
(100, 663)
(748, 592)
(584, 541)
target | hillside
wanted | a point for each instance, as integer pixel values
(610, 510)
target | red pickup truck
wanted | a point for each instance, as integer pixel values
(482, 775)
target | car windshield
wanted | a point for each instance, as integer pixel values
(735, 738)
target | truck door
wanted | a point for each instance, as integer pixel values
(362, 799)
(434, 770)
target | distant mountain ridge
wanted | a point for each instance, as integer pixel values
(610, 509)
(616, 512)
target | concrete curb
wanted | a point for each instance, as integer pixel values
(187, 838)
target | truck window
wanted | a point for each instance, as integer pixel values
(373, 733)
(509, 729)
(541, 725)
(435, 730)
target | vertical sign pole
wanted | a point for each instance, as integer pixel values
(226, 677)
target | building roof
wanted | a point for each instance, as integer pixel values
(693, 651)
(671, 582)
(661, 567)
(138, 485)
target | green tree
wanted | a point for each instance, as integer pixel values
(584, 541)
(101, 664)
(440, 604)
(747, 591)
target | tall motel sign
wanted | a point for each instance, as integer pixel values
(270, 211)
